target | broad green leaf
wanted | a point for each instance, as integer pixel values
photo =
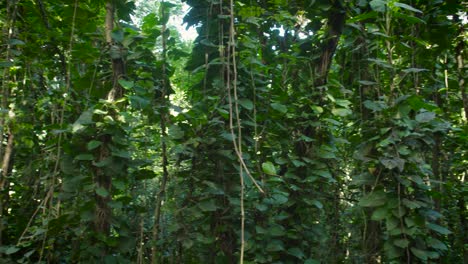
(380, 214)
(436, 244)
(297, 252)
(207, 205)
(421, 254)
(323, 173)
(86, 118)
(121, 153)
(117, 35)
(364, 82)
(395, 162)
(439, 229)
(279, 198)
(85, 157)
(392, 223)
(6, 64)
(407, 7)
(411, 204)
(425, 117)
(269, 168)
(378, 5)
(175, 132)
(341, 111)
(317, 109)
(279, 107)
(16, 42)
(105, 162)
(102, 192)
(127, 85)
(11, 250)
(403, 242)
(208, 43)
(275, 245)
(93, 144)
(276, 230)
(391, 251)
(246, 103)
(118, 184)
(414, 70)
(375, 105)
(317, 204)
(373, 199)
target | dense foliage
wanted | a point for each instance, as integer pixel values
(288, 131)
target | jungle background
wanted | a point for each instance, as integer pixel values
(287, 131)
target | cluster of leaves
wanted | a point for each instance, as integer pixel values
(345, 114)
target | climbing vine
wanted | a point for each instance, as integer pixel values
(324, 131)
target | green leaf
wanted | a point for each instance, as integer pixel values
(175, 132)
(403, 242)
(439, 229)
(425, 117)
(341, 111)
(16, 42)
(375, 106)
(118, 184)
(374, 199)
(276, 230)
(378, 5)
(364, 82)
(246, 103)
(436, 244)
(275, 245)
(414, 70)
(102, 192)
(317, 204)
(121, 153)
(395, 162)
(207, 205)
(421, 254)
(317, 109)
(11, 250)
(127, 85)
(380, 214)
(297, 252)
(117, 35)
(279, 107)
(86, 118)
(279, 198)
(93, 144)
(85, 157)
(407, 7)
(323, 173)
(269, 168)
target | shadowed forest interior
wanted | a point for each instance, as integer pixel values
(259, 131)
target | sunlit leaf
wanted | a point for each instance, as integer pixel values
(269, 168)
(407, 7)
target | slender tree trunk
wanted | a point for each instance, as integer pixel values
(103, 179)
(165, 176)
